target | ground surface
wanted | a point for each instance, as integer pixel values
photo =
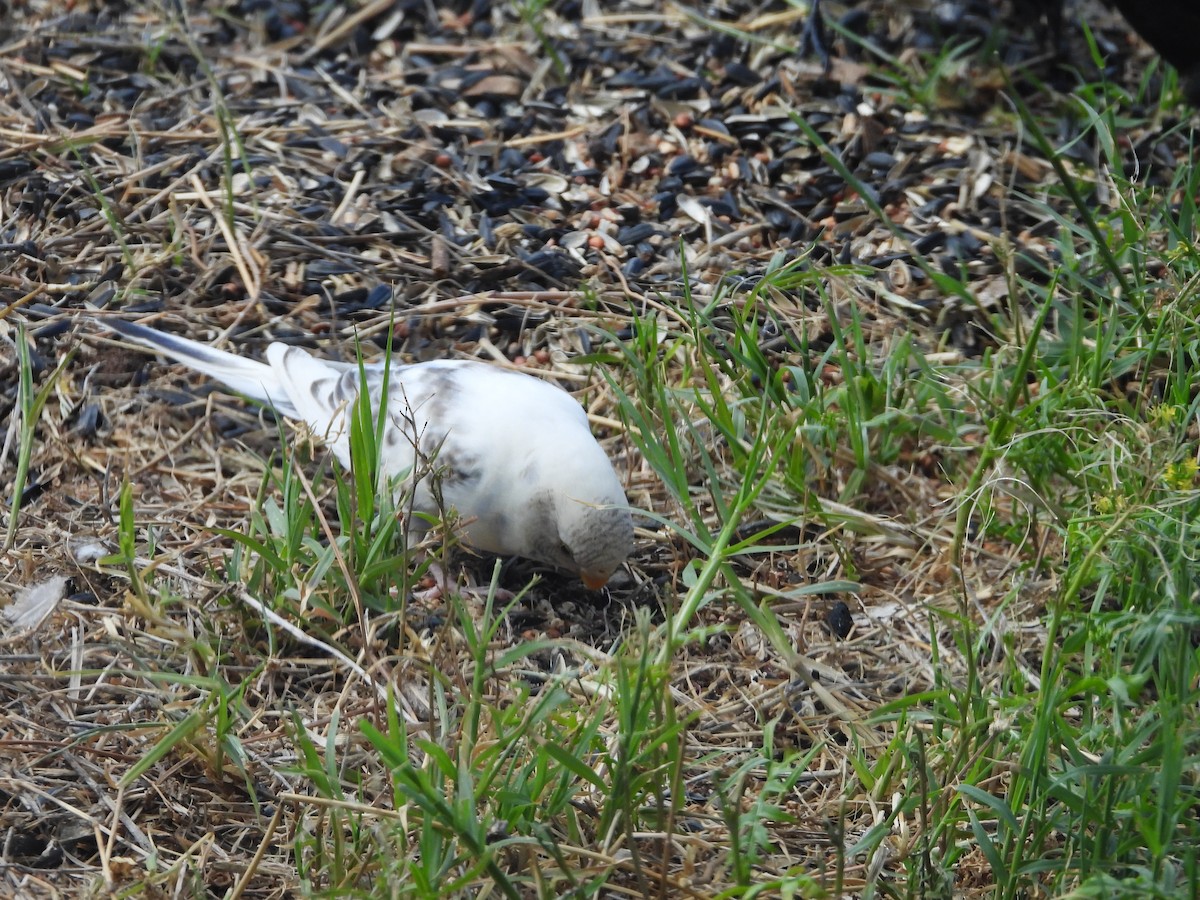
(538, 191)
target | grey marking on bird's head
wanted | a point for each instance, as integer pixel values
(600, 536)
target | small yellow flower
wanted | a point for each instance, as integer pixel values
(1181, 475)
(1104, 504)
(1164, 414)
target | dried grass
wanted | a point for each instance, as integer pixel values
(154, 206)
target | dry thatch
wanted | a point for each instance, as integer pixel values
(252, 171)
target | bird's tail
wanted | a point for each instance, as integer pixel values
(256, 380)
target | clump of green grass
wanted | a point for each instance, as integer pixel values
(30, 404)
(293, 556)
(1097, 734)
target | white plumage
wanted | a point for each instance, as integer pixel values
(512, 454)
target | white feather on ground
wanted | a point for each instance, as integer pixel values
(511, 454)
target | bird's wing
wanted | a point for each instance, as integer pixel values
(324, 393)
(320, 393)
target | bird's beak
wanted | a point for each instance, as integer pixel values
(593, 581)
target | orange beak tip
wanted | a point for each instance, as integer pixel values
(594, 582)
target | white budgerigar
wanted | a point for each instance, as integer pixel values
(511, 454)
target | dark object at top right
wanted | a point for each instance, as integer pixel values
(1172, 27)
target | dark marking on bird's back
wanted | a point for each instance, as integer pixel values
(324, 392)
(461, 469)
(394, 436)
(345, 388)
(443, 389)
(443, 381)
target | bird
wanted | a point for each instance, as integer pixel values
(511, 454)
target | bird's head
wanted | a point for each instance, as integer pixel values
(593, 538)
(583, 522)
